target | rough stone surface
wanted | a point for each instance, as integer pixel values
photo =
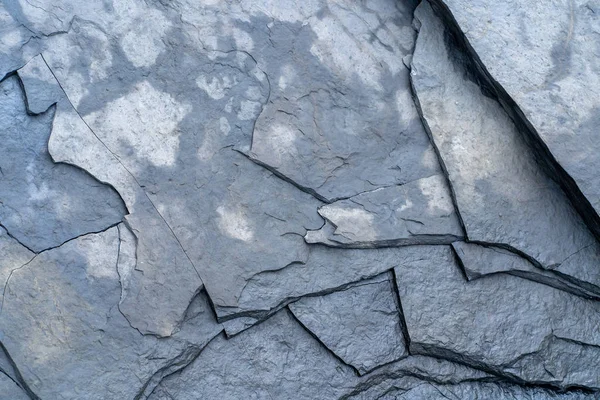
(470, 390)
(361, 324)
(159, 264)
(254, 362)
(62, 327)
(553, 97)
(478, 261)
(523, 330)
(419, 212)
(284, 199)
(10, 390)
(503, 196)
(45, 204)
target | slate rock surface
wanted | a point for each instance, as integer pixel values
(360, 324)
(503, 196)
(419, 212)
(481, 323)
(322, 199)
(554, 97)
(45, 204)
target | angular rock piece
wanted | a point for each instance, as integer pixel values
(542, 61)
(503, 196)
(61, 324)
(44, 204)
(419, 212)
(278, 359)
(41, 90)
(341, 121)
(361, 324)
(479, 261)
(523, 330)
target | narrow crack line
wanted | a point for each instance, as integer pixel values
(398, 301)
(122, 290)
(18, 374)
(15, 239)
(46, 250)
(123, 165)
(314, 335)
(220, 334)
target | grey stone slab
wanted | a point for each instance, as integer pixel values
(158, 263)
(503, 196)
(279, 359)
(419, 212)
(361, 324)
(44, 204)
(340, 121)
(526, 331)
(478, 261)
(542, 61)
(62, 326)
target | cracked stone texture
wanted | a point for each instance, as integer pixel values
(419, 212)
(478, 261)
(178, 135)
(160, 264)
(45, 204)
(554, 97)
(10, 390)
(338, 131)
(471, 390)
(325, 270)
(61, 325)
(503, 196)
(361, 324)
(254, 362)
(523, 330)
(273, 170)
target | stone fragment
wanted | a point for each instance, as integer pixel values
(525, 331)
(41, 90)
(479, 261)
(503, 196)
(541, 59)
(361, 324)
(61, 324)
(279, 359)
(419, 212)
(44, 204)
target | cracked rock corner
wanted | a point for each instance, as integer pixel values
(392, 199)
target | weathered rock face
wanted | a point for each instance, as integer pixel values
(298, 200)
(554, 98)
(360, 324)
(502, 194)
